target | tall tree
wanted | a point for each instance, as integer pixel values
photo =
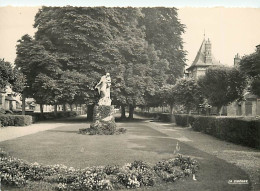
(164, 30)
(39, 68)
(250, 65)
(187, 93)
(222, 85)
(93, 41)
(6, 74)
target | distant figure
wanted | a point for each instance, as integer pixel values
(103, 87)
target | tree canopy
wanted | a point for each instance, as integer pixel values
(74, 46)
(222, 85)
(250, 65)
(6, 74)
(187, 93)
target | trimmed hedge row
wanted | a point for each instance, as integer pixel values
(50, 115)
(234, 129)
(182, 120)
(15, 120)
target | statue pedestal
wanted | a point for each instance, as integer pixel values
(103, 120)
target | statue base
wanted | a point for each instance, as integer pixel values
(104, 102)
(103, 121)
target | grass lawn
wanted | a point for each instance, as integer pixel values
(63, 145)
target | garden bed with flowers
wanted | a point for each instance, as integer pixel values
(19, 173)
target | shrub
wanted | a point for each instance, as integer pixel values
(173, 169)
(182, 120)
(165, 117)
(238, 130)
(104, 128)
(50, 115)
(233, 129)
(15, 120)
(27, 176)
(104, 122)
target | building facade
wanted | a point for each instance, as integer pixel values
(7, 101)
(250, 105)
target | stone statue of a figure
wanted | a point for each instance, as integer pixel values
(103, 87)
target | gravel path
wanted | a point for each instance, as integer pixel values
(12, 132)
(246, 158)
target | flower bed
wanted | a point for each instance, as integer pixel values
(19, 173)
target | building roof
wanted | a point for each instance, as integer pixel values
(200, 57)
(249, 95)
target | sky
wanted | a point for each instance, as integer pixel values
(231, 30)
(138, 3)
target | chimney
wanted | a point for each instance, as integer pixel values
(237, 60)
(208, 58)
(258, 48)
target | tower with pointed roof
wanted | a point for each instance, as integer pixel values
(203, 60)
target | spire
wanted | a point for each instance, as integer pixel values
(204, 34)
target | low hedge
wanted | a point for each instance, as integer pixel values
(182, 120)
(15, 120)
(237, 130)
(244, 131)
(50, 115)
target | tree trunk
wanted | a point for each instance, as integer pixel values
(41, 109)
(64, 107)
(123, 112)
(23, 103)
(55, 109)
(189, 113)
(71, 108)
(90, 112)
(171, 109)
(219, 110)
(80, 109)
(131, 112)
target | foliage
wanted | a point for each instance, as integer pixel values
(173, 169)
(233, 129)
(182, 120)
(6, 74)
(15, 120)
(250, 65)
(37, 67)
(19, 173)
(88, 42)
(164, 30)
(187, 93)
(104, 122)
(51, 115)
(222, 85)
(19, 81)
(164, 96)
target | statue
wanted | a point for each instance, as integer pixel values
(103, 87)
(103, 114)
